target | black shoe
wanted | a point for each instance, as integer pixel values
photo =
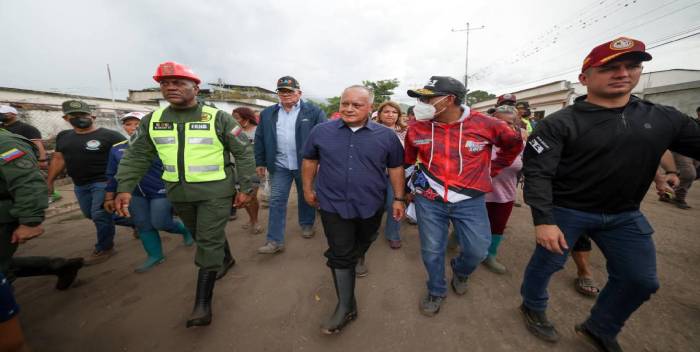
(538, 324)
(680, 203)
(65, 269)
(346, 309)
(201, 314)
(600, 343)
(229, 262)
(68, 272)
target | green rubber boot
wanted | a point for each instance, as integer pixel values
(186, 234)
(151, 243)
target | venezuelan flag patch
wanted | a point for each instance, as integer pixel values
(11, 154)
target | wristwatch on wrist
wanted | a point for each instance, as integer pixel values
(397, 199)
(672, 172)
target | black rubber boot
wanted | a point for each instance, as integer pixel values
(346, 309)
(65, 269)
(201, 314)
(229, 262)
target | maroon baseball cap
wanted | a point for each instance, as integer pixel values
(604, 53)
(506, 97)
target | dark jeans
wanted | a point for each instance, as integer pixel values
(348, 239)
(626, 242)
(90, 198)
(8, 306)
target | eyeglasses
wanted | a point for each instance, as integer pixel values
(285, 92)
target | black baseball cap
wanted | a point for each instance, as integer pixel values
(438, 86)
(287, 82)
(523, 104)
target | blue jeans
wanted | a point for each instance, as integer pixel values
(152, 214)
(392, 227)
(473, 231)
(90, 198)
(626, 242)
(280, 185)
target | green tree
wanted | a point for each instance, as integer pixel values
(330, 106)
(478, 96)
(383, 89)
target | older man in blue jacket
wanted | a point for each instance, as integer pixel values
(279, 139)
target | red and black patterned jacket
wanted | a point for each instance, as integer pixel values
(455, 159)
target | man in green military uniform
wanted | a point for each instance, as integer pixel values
(22, 204)
(193, 141)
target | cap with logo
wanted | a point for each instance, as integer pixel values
(439, 86)
(6, 109)
(175, 70)
(287, 82)
(73, 106)
(522, 104)
(132, 115)
(616, 49)
(506, 98)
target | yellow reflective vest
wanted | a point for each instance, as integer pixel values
(192, 148)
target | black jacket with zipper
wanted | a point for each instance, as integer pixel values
(599, 160)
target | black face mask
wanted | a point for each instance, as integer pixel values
(4, 118)
(527, 113)
(81, 122)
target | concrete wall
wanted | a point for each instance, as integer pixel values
(140, 96)
(548, 97)
(686, 100)
(43, 109)
(51, 122)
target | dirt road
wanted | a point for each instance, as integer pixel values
(275, 303)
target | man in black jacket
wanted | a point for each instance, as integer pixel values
(587, 168)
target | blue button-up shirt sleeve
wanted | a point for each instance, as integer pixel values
(395, 157)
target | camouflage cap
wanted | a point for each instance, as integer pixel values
(73, 106)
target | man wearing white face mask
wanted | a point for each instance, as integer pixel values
(454, 145)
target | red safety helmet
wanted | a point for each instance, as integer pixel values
(174, 69)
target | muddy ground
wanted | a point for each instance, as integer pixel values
(276, 302)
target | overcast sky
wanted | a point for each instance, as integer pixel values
(327, 45)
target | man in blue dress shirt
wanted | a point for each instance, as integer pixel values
(354, 155)
(279, 138)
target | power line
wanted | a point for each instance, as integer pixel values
(544, 40)
(480, 74)
(574, 69)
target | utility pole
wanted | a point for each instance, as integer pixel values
(111, 92)
(466, 60)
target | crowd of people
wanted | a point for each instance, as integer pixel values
(585, 170)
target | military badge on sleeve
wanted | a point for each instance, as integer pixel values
(11, 154)
(538, 145)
